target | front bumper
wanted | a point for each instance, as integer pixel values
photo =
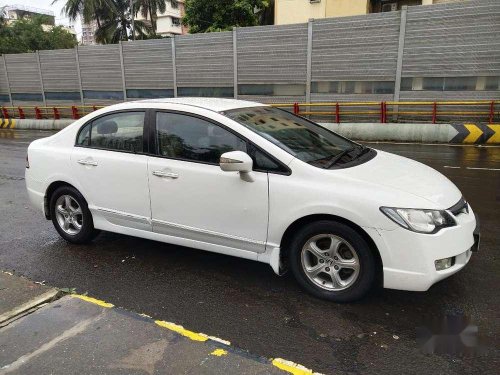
(409, 258)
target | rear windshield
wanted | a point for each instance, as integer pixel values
(303, 139)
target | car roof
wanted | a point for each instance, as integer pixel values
(213, 104)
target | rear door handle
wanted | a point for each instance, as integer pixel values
(165, 174)
(92, 163)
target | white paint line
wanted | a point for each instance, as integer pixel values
(485, 169)
(449, 166)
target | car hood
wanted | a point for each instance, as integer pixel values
(406, 175)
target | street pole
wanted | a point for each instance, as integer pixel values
(132, 16)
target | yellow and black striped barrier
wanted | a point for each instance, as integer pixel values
(476, 133)
(7, 123)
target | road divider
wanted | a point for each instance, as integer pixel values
(453, 133)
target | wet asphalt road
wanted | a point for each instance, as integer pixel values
(244, 302)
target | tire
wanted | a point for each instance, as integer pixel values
(80, 226)
(347, 278)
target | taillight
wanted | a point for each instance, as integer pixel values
(27, 161)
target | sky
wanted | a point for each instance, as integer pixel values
(47, 4)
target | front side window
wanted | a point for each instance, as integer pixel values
(303, 139)
(190, 138)
(117, 131)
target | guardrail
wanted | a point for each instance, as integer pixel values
(383, 112)
(387, 111)
(55, 112)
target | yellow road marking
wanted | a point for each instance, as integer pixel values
(181, 330)
(219, 352)
(93, 300)
(291, 367)
(474, 135)
(13, 124)
(495, 138)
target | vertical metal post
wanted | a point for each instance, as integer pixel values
(492, 112)
(123, 72)
(337, 113)
(235, 62)
(434, 112)
(7, 80)
(399, 64)
(41, 78)
(174, 66)
(79, 75)
(309, 59)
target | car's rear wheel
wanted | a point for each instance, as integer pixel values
(332, 261)
(71, 216)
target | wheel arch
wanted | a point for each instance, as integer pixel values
(288, 235)
(48, 195)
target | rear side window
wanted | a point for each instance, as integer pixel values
(117, 131)
(190, 138)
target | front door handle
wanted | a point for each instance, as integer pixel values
(165, 174)
(92, 163)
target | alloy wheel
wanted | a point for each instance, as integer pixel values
(69, 214)
(330, 262)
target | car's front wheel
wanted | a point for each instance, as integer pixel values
(71, 216)
(332, 261)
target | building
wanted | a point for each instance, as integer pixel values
(17, 12)
(169, 22)
(88, 33)
(299, 11)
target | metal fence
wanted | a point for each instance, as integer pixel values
(423, 53)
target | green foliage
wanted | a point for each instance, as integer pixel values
(219, 15)
(28, 35)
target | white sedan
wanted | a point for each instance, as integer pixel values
(252, 181)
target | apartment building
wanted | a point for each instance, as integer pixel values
(169, 22)
(299, 11)
(88, 33)
(17, 12)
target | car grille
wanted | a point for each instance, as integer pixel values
(461, 207)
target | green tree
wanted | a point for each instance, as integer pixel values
(28, 35)
(150, 9)
(87, 10)
(117, 25)
(218, 15)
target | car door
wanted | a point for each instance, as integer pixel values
(111, 169)
(192, 198)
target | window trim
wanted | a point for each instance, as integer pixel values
(154, 149)
(145, 131)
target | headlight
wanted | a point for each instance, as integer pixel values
(422, 221)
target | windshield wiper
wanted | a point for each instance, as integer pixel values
(337, 157)
(363, 150)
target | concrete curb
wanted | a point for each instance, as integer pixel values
(27, 307)
(392, 132)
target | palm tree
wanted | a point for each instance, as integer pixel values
(150, 9)
(88, 10)
(117, 24)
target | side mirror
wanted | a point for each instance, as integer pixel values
(237, 161)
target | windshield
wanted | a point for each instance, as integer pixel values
(303, 139)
